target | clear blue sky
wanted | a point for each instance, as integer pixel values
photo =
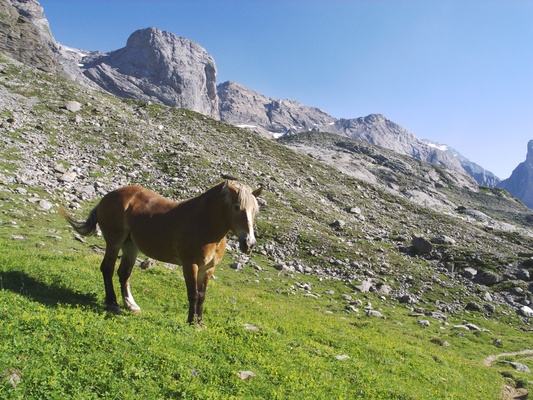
(457, 72)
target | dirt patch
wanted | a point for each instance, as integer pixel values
(487, 362)
(509, 392)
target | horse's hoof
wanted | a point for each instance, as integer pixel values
(200, 326)
(113, 308)
(197, 325)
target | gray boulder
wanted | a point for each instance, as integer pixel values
(489, 278)
(421, 245)
(469, 272)
(526, 311)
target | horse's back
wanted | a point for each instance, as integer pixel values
(131, 196)
(115, 207)
(143, 216)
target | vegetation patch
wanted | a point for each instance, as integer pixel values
(332, 303)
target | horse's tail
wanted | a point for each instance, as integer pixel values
(84, 228)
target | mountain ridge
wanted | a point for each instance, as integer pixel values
(481, 175)
(274, 117)
(158, 66)
(520, 183)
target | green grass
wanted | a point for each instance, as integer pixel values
(57, 342)
(56, 337)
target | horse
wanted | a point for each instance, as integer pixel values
(190, 233)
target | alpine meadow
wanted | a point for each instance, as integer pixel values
(374, 275)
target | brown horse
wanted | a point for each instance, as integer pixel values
(191, 233)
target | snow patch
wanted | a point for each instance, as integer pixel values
(441, 147)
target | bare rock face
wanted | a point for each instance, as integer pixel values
(158, 66)
(25, 34)
(520, 183)
(480, 174)
(271, 117)
(380, 131)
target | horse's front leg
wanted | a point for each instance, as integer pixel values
(190, 272)
(203, 279)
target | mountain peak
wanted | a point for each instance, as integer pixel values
(530, 151)
(270, 117)
(156, 65)
(520, 183)
(157, 39)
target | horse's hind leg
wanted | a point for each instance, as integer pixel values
(190, 272)
(108, 267)
(129, 256)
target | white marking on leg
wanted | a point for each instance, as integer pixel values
(129, 302)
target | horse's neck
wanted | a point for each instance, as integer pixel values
(211, 213)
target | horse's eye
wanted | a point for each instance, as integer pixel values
(236, 208)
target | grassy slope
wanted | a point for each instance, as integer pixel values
(57, 342)
(56, 337)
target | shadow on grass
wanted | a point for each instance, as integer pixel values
(48, 294)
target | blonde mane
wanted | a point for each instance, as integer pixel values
(245, 197)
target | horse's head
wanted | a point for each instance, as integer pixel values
(243, 206)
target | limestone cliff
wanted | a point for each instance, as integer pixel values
(158, 66)
(271, 117)
(520, 183)
(25, 34)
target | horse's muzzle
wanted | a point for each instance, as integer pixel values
(246, 244)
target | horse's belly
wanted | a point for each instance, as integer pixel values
(159, 251)
(176, 249)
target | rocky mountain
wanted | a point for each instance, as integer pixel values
(158, 66)
(520, 183)
(243, 107)
(26, 36)
(274, 118)
(270, 117)
(481, 175)
(380, 131)
(153, 66)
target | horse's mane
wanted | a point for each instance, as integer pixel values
(245, 197)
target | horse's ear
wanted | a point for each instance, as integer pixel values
(257, 192)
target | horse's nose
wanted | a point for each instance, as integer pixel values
(251, 243)
(246, 244)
